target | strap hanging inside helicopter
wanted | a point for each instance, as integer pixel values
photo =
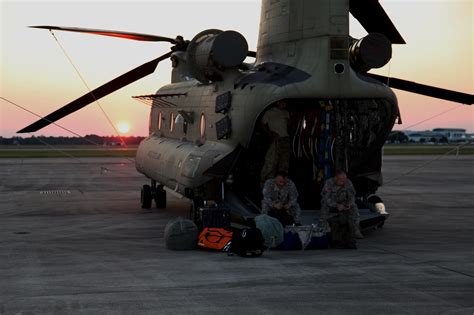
(313, 140)
(304, 140)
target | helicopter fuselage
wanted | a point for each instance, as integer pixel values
(179, 150)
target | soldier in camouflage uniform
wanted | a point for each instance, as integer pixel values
(280, 199)
(338, 196)
(275, 123)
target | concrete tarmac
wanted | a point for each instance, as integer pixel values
(73, 239)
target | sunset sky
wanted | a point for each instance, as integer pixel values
(36, 74)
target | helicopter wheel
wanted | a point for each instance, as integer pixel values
(146, 197)
(160, 197)
(196, 203)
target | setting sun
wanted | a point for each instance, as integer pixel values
(123, 126)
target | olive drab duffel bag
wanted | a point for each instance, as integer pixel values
(181, 234)
(271, 228)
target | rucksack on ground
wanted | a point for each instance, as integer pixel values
(248, 243)
(291, 241)
(218, 239)
(181, 234)
(272, 230)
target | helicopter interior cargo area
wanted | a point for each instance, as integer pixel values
(324, 135)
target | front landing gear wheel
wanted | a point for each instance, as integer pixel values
(146, 197)
(160, 197)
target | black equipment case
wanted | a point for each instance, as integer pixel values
(213, 217)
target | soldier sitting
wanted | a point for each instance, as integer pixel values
(280, 199)
(338, 196)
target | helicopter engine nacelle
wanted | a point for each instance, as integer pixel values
(212, 52)
(369, 52)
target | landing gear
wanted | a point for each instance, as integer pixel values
(153, 192)
(146, 197)
(160, 197)
(196, 203)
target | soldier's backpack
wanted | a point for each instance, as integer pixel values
(215, 239)
(314, 236)
(248, 243)
(271, 228)
(291, 241)
(181, 234)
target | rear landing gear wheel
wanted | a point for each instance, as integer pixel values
(160, 197)
(146, 197)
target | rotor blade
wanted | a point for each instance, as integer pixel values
(427, 90)
(373, 18)
(107, 88)
(127, 35)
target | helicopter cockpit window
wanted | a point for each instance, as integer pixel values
(160, 118)
(202, 125)
(171, 122)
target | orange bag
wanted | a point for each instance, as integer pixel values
(215, 239)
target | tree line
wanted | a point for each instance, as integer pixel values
(88, 139)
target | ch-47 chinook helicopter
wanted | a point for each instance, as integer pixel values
(204, 138)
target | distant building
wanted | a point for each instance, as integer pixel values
(452, 134)
(438, 135)
(424, 136)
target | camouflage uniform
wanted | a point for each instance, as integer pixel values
(277, 158)
(287, 194)
(278, 154)
(331, 195)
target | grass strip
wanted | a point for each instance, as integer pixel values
(60, 154)
(428, 150)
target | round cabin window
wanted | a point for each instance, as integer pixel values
(160, 118)
(202, 125)
(171, 122)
